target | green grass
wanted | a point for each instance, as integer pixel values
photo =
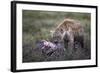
(38, 24)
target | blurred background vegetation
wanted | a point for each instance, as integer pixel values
(38, 24)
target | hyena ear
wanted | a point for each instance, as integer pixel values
(51, 32)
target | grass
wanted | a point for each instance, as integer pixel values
(37, 26)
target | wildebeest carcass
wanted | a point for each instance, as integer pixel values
(51, 51)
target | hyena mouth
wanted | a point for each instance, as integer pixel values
(56, 41)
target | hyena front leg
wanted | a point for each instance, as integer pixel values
(68, 41)
(70, 44)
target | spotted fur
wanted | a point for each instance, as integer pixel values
(69, 31)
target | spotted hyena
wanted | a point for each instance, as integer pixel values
(69, 31)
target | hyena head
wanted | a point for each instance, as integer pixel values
(60, 34)
(57, 35)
